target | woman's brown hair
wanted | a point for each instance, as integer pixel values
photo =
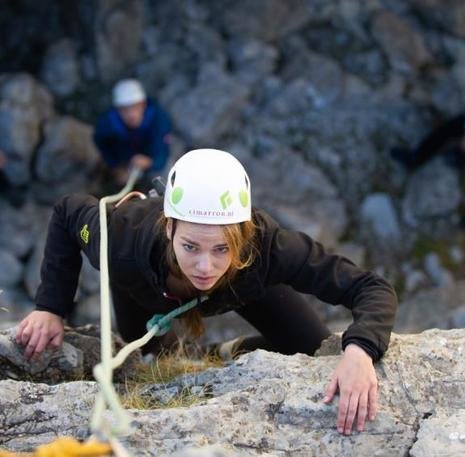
(241, 241)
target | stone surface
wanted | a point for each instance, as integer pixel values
(210, 109)
(379, 215)
(17, 229)
(118, 34)
(440, 276)
(60, 68)
(252, 60)
(264, 19)
(431, 307)
(432, 192)
(299, 195)
(311, 96)
(68, 148)
(269, 404)
(405, 47)
(443, 433)
(79, 353)
(326, 88)
(32, 268)
(89, 280)
(24, 106)
(11, 271)
(449, 16)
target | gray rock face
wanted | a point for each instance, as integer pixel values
(41, 413)
(88, 311)
(252, 60)
(405, 48)
(210, 109)
(17, 229)
(298, 195)
(448, 16)
(51, 367)
(439, 307)
(14, 305)
(440, 276)
(432, 192)
(68, 148)
(24, 106)
(378, 213)
(443, 432)
(341, 137)
(90, 277)
(267, 20)
(32, 268)
(332, 85)
(11, 271)
(324, 74)
(74, 360)
(60, 68)
(270, 404)
(209, 451)
(118, 36)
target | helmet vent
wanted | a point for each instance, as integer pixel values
(173, 178)
(246, 181)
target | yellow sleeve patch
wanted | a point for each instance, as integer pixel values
(85, 234)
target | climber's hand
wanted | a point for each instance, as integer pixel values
(355, 378)
(39, 330)
(141, 161)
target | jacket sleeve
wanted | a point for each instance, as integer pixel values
(160, 147)
(73, 227)
(299, 261)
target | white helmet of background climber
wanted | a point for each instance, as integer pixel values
(208, 186)
(128, 92)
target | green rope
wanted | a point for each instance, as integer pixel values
(165, 321)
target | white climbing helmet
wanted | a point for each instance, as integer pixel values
(208, 186)
(128, 92)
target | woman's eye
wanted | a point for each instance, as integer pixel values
(222, 249)
(188, 247)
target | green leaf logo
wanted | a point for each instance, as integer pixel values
(225, 199)
(244, 198)
(176, 195)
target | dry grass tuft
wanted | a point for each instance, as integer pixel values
(162, 370)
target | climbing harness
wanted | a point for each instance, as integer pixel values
(107, 443)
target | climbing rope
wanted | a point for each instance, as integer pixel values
(107, 443)
(103, 372)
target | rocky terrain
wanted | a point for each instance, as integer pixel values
(311, 95)
(261, 404)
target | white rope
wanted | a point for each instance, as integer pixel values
(103, 372)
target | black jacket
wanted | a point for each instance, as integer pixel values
(137, 267)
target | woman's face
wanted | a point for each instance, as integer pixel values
(201, 251)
